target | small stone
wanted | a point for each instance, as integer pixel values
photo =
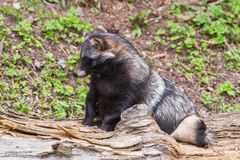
(30, 18)
(203, 112)
(181, 89)
(210, 89)
(128, 35)
(118, 7)
(80, 12)
(61, 63)
(37, 64)
(144, 54)
(29, 99)
(17, 6)
(101, 28)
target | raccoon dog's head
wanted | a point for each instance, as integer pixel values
(100, 53)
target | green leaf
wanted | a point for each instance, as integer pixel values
(207, 99)
(215, 10)
(72, 12)
(64, 89)
(198, 64)
(226, 87)
(4, 86)
(201, 20)
(22, 106)
(234, 6)
(10, 72)
(190, 42)
(136, 32)
(61, 108)
(160, 32)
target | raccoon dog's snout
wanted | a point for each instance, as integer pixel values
(79, 74)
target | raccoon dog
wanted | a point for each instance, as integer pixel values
(121, 78)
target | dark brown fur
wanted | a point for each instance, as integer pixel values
(120, 78)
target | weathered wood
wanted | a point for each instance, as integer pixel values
(136, 136)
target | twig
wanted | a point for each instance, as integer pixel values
(154, 19)
(228, 46)
(1, 45)
(216, 2)
(64, 51)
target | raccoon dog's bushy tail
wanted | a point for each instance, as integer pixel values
(193, 130)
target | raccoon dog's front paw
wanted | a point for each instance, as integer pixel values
(107, 127)
(87, 121)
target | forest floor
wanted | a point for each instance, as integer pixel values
(196, 45)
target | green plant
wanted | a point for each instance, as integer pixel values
(232, 58)
(207, 99)
(22, 106)
(11, 72)
(60, 109)
(226, 87)
(190, 42)
(216, 29)
(31, 5)
(201, 19)
(139, 22)
(234, 33)
(234, 6)
(1, 20)
(48, 85)
(159, 38)
(36, 72)
(198, 64)
(32, 78)
(2, 109)
(4, 86)
(215, 11)
(176, 30)
(72, 60)
(204, 80)
(229, 108)
(64, 90)
(10, 10)
(175, 8)
(24, 30)
(179, 8)
(160, 32)
(218, 21)
(70, 26)
(184, 34)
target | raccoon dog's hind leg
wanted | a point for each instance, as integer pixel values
(193, 130)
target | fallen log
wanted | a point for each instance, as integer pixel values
(137, 136)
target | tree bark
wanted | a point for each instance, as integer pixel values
(137, 136)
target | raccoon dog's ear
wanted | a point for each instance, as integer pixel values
(102, 44)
